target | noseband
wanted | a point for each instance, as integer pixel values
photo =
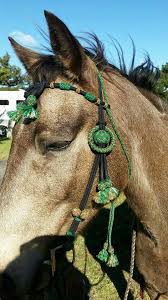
(102, 141)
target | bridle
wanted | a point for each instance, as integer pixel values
(102, 141)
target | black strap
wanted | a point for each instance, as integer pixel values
(86, 194)
(101, 122)
(99, 161)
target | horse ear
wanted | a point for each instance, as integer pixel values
(26, 56)
(65, 45)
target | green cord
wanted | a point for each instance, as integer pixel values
(107, 254)
(25, 109)
(96, 133)
(65, 86)
(110, 116)
(110, 225)
(123, 147)
(90, 97)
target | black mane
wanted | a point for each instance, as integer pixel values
(145, 75)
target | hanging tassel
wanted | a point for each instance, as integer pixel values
(107, 254)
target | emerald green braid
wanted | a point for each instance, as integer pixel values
(113, 124)
(107, 254)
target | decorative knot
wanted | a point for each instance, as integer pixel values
(76, 212)
(78, 90)
(102, 137)
(52, 85)
(80, 215)
(101, 141)
(103, 184)
(106, 192)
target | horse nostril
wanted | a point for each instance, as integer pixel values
(7, 286)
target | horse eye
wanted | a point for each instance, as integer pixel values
(58, 146)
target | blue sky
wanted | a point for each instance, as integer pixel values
(145, 21)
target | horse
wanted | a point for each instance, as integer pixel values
(50, 162)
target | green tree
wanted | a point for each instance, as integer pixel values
(162, 85)
(11, 75)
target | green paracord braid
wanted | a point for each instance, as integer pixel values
(110, 116)
(69, 87)
(65, 86)
(97, 137)
(25, 110)
(107, 254)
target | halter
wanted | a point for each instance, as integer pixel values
(101, 140)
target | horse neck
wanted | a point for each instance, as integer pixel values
(136, 118)
(133, 112)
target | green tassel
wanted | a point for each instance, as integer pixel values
(103, 255)
(112, 258)
(108, 256)
(14, 115)
(31, 100)
(25, 109)
(30, 113)
(113, 261)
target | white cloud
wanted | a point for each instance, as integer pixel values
(24, 39)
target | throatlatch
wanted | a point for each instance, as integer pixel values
(101, 140)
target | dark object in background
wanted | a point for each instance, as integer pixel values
(3, 131)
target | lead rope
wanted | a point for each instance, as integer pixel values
(132, 263)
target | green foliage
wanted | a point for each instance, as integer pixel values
(162, 85)
(11, 75)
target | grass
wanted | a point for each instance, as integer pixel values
(101, 282)
(9, 89)
(4, 149)
(107, 283)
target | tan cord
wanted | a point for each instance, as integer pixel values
(132, 263)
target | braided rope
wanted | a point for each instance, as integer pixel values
(68, 87)
(110, 225)
(132, 263)
(107, 254)
(111, 119)
(25, 110)
(92, 140)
